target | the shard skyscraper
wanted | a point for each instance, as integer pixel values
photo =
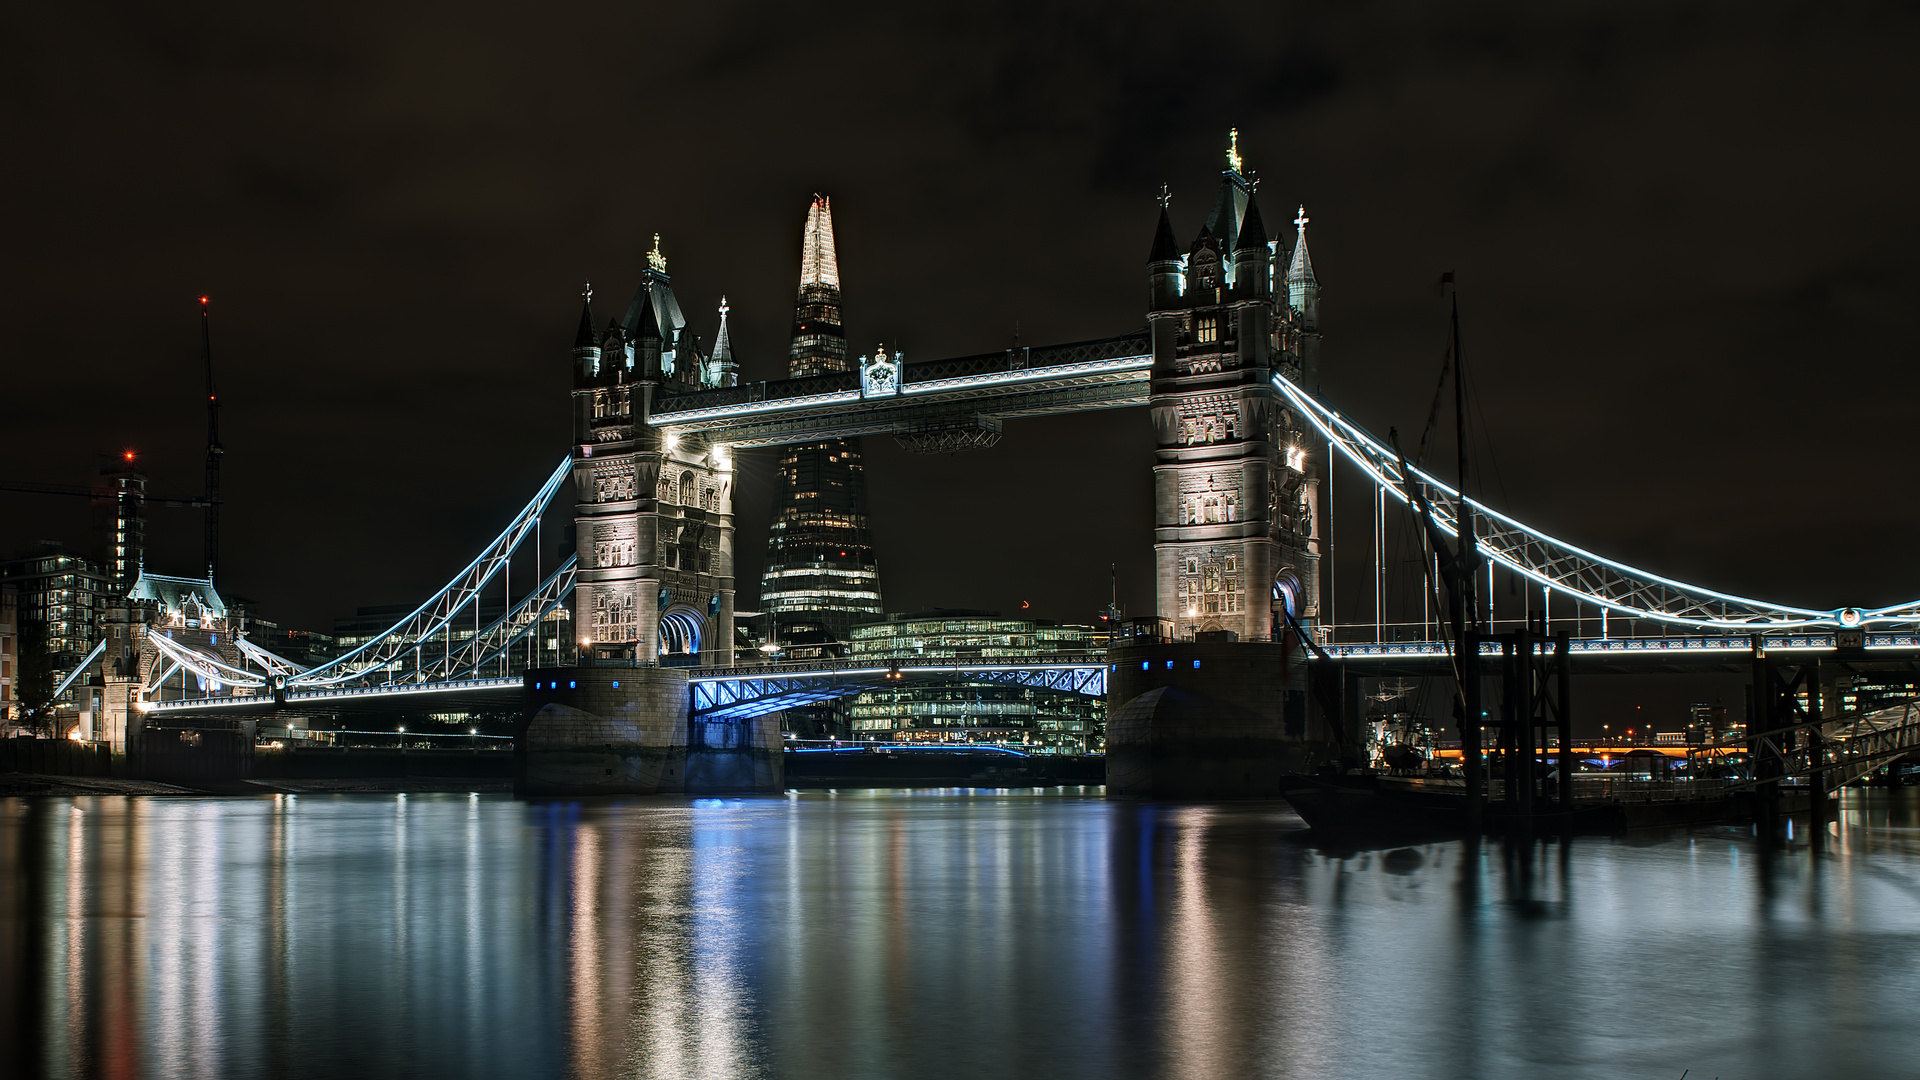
(821, 576)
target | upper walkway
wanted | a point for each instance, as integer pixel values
(1107, 373)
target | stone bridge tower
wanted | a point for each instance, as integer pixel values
(1236, 483)
(1222, 710)
(653, 520)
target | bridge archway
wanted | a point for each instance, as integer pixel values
(681, 631)
(1287, 590)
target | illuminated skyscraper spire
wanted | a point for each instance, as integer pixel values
(821, 576)
(817, 263)
(818, 346)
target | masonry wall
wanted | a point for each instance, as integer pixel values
(620, 730)
(603, 731)
(1208, 720)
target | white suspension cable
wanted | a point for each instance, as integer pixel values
(438, 612)
(1571, 570)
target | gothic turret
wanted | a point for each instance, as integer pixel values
(1303, 289)
(722, 371)
(654, 297)
(1252, 259)
(1303, 295)
(1230, 202)
(586, 343)
(648, 341)
(1163, 262)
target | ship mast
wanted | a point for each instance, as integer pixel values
(212, 538)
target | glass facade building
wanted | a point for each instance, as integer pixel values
(821, 575)
(66, 593)
(1029, 718)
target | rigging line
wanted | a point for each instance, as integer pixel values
(1439, 395)
(1477, 422)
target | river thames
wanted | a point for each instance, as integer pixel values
(933, 934)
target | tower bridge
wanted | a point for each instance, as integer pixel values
(1227, 369)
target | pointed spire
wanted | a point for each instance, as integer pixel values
(649, 328)
(723, 342)
(1300, 271)
(818, 265)
(1253, 231)
(722, 370)
(585, 338)
(1165, 248)
(1231, 201)
(656, 258)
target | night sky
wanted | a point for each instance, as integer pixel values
(1683, 235)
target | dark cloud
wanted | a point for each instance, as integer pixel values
(1683, 233)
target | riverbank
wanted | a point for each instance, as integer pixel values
(18, 784)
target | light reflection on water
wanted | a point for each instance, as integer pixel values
(933, 934)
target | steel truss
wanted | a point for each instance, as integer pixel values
(78, 669)
(209, 668)
(1573, 571)
(271, 663)
(1857, 749)
(741, 693)
(481, 650)
(437, 614)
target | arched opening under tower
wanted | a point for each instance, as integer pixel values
(1287, 590)
(681, 629)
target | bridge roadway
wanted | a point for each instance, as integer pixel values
(734, 693)
(1677, 654)
(752, 690)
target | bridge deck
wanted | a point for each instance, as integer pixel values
(1108, 373)
(720, 693)
(1643, 655)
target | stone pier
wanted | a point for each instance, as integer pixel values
(624, 730)
(1208, 720)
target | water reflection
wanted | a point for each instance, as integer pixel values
(933, 934)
